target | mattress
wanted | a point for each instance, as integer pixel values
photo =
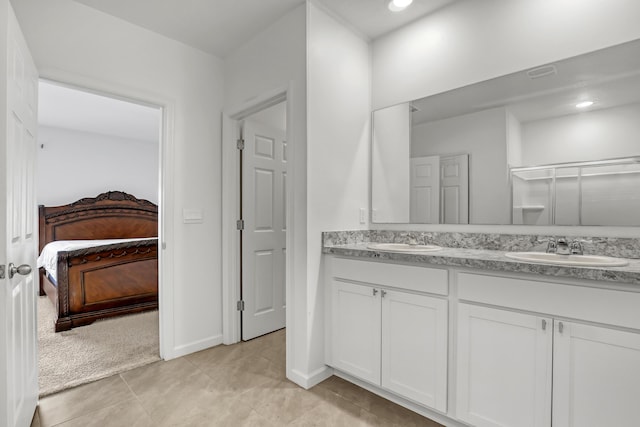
(48, 258)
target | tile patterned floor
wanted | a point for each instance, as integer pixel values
(239, 385)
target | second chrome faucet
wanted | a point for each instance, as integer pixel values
(561, 246)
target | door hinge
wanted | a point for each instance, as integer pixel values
(241, 305)
(240, 144)
(240, 224)
(1, 271)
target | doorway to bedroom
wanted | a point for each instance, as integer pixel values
(97, 149)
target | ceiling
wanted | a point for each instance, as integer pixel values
(214, 26)
(221, 26)
(68, 108)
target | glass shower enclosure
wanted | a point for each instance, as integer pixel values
(605, 192)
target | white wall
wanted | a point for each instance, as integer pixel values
(339, 125)
(276, 59)
(391, 164)
(594, 135)
(73, 164)
(79, 45)
(327, 69)
(514, 141)
(483, 136)
(472, 41)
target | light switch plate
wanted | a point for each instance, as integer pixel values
(363, 215)
(192, 216)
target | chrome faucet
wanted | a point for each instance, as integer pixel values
(576, 246)
(562, 247)
(412, 239)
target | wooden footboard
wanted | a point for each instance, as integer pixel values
(106, 281)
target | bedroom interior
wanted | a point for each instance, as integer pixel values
(84, 135)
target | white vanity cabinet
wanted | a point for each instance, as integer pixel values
(519, 369)
(596, 376)
(414, 347)
(384, 332)
(355, 328)
(503, 367)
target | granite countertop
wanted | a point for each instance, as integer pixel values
(492, 260)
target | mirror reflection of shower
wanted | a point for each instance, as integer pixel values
(588, 193)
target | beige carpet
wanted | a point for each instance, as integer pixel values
(95, 351)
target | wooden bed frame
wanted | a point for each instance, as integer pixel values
(108, 280)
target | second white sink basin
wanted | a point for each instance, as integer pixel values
(402, 247)
(570, 260)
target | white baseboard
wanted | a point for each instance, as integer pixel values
(307, 381)
(183, 350)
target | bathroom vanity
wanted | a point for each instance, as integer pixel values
(471, 337)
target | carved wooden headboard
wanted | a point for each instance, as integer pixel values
(110, 215)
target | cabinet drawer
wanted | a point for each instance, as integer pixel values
(606, 306)
(420, 279)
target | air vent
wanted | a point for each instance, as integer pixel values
(546, 70)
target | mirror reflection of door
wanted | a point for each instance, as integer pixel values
(264, 182)
(454, 189)
(440, 189)
(425, 190)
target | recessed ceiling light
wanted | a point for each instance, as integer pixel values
(584, 104)
(399, 5)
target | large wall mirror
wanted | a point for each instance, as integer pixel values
(554, 145)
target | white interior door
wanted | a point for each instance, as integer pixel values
(425, 190)
(18, 234)
(454, 184)
(264, 181)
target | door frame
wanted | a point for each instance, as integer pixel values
(231, 267)
(166, 189)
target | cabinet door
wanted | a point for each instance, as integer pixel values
(356, 330)
(503, 367)
(596, 376)
(414, 347)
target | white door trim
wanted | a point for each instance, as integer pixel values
(166, 189)
(231, 206)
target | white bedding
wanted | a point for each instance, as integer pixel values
(49, 256)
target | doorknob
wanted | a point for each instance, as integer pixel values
(23, 270)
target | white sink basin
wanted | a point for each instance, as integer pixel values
(402, 247)
(572, 260)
